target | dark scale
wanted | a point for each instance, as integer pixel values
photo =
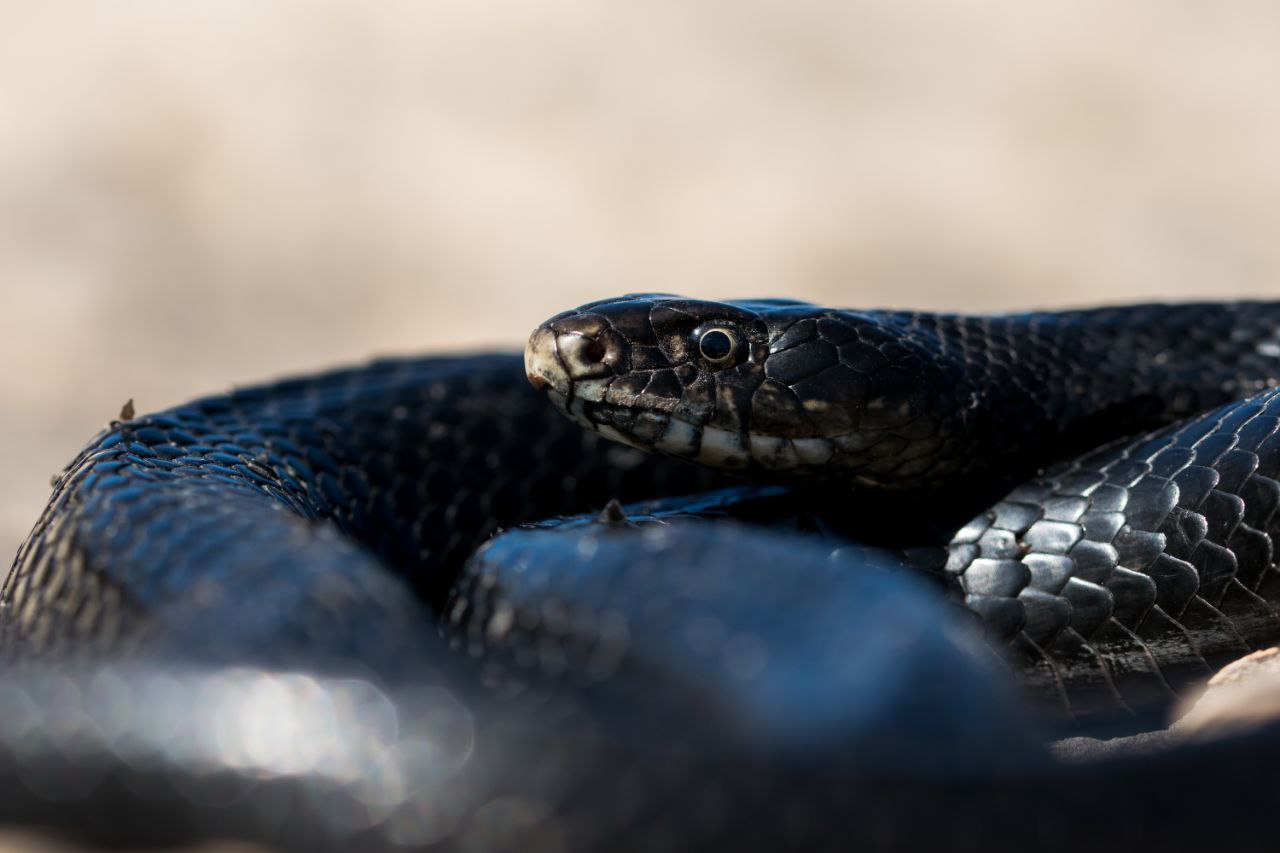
(1162, 569)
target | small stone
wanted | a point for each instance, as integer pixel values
(1244, 695)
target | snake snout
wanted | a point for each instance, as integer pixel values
(542, 363)
(572, 350)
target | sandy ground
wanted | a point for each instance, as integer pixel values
(195, 195)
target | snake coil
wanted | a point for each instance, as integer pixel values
(766, 665)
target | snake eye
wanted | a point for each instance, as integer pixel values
(718, 345)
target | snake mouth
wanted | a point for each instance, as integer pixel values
(581, 397)
(646, 430)
(663, 432)
(723, 449)
(601, 418)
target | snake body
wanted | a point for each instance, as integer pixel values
(1114, 578)
(1097, 488)
(404, 462)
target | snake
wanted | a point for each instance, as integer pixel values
(689, 574)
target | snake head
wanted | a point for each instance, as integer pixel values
(652, 370)
(775, 385)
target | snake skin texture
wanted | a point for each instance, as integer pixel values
(292, 491)
(1133, 572)
(228, 620)
(1118, 582)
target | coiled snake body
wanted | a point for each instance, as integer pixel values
(1097, 487)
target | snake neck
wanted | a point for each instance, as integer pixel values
(1034, 388)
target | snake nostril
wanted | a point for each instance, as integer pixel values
(584, 351)
(593, 350)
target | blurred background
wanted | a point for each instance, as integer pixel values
(195, 195)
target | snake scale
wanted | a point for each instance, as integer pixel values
(809, 639)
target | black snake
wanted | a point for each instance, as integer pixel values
(1095, 488)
